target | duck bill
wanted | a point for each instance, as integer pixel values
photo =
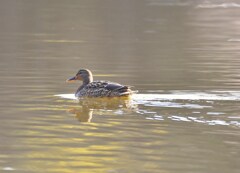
(72, 79)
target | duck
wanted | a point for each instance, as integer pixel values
(99, 88)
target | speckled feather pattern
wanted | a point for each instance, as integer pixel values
(103, 89)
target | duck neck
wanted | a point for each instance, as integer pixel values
(85, 82)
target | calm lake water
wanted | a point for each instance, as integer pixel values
(182, 56)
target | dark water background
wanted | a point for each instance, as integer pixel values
(183, 56)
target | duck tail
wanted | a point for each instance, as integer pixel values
(125, 90)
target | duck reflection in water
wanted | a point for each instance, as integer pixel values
(102, 106)
(100, 97)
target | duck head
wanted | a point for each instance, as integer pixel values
(84, 75)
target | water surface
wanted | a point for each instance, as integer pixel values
(182, 56)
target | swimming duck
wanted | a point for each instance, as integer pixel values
(90, 88)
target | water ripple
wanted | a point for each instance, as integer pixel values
(183, 106)
(179, 95)
(223, 5)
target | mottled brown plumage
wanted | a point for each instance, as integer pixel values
(91, 88)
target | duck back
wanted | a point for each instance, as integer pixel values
(103, 89)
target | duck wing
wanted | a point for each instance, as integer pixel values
(107, 88)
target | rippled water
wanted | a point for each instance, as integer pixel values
(182, 57)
